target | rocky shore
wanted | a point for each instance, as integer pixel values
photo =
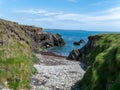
(20, 48)
(56, 73)
(18, 45)
(40, 39)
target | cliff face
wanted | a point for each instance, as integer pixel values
(103, 60)
(17, 44)
(82, 54)
(40, 39)
(16, 57)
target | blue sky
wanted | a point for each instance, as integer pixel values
(64, 14)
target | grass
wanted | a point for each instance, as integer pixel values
(16, 57)
(103, 73)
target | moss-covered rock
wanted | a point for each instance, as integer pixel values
(16, 57)
(103, 72)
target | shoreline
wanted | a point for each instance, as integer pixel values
(55, 72)
(47, 53)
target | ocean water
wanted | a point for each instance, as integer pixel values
(69, 37)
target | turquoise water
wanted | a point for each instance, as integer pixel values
(69, 37)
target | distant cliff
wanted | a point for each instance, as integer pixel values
(17, 46)
(102, 56)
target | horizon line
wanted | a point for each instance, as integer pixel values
(77, 30)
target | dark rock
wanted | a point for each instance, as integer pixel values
(76, 43)
(50, 40)
(81, 54)
(90, 44)
(74, 55)
(57, 39)
(40, 39)
(82, 41)
(79, 42)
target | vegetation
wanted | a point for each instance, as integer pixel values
(16, 57)
(103, 73)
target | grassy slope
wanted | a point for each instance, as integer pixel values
(16, 65)
(104, 70)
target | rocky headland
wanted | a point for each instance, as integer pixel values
(41, 40)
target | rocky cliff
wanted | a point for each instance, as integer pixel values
(82, 54)
(16, 57)
(41, 40)
(17, 46)
(102, 55)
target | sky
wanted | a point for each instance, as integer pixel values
(95, 15)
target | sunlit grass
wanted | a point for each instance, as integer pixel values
(104, 69)
(16, 57)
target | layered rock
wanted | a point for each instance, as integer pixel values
(42, 39)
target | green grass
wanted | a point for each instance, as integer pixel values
(16, 57)
(103, 73)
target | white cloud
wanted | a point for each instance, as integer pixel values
(116, 9)
(104, 20)
(110, 14)
(38, 12)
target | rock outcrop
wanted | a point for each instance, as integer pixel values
(74, 55)
(79, 42)
(102, 55)
(81, 54)
(42, 39)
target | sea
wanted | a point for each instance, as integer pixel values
(70, 36)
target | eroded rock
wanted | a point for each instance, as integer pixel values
(40, 39)
(81, 54)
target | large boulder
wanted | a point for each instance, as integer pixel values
(50, 40)
(58, 40)
(75, 54)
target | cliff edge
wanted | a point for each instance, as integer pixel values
(16, 56)
(102, 58)
(17, 46)
(42, 40)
